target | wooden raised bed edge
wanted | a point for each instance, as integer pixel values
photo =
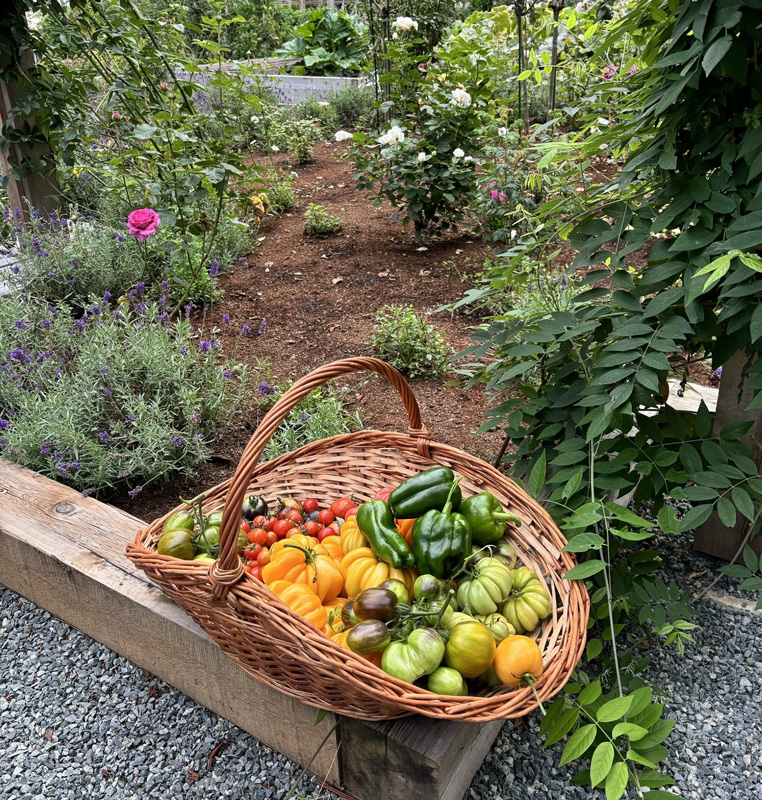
(65, 553)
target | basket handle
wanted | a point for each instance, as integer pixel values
(228, 569)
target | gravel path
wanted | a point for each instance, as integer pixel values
(78, 721)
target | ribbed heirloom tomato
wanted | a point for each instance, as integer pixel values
(301, 600)
(300, 559)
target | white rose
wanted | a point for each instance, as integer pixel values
(468, 158)
(460, 98)
(394, 135)
(402, 24)
(428, 109)
(458, 153)
(275, 148)
(423, 157)
(342, 136)
(502, 131)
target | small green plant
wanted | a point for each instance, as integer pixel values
(280, 192)
(300, 138)
(402, 337)
(321, 414)
(319, 222)
(354, 107)
(321, 111)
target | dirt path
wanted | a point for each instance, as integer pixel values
(320, 297)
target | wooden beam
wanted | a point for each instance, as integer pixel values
(65, 553)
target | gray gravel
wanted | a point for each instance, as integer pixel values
(78, 721)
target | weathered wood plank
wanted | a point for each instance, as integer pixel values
(66, 554)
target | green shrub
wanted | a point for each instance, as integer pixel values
(120, 396)
(300, 138)
(354, 107)
(403, 338)
(280, 192)
(323, 111)
(321, 414)
(319, 222)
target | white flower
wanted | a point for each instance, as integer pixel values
(422, 157)
(342, 136)
(275, 148)
(402, 24)
(502, 131)
(255, 119)
(468, 158)
(323, 103)
(458, 153)
(394, 135)
(460, 98)
(428, 109)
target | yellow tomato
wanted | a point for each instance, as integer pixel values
(516, 657)
(363, 570)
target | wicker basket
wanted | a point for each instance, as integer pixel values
(282, 649)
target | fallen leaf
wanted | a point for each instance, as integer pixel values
(383, 274)
(422, 249)
(337, 280)
(210, 760)
(424, 272)
(695, 575)
(458, 252)
(193, 775)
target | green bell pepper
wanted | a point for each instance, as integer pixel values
(486, 517)
(423, 492)
(441, 540)
(376, 522)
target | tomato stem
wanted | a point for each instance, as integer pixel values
(528, 678)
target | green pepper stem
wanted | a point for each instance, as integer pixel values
(504, 515)
(448, 503)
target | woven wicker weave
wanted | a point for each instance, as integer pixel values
(282, 649)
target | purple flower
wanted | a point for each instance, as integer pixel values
(46, 323)
(106, 296)
(20, 324)
(717, 373)
(164, 286)
(106, 391)
(4, 424)
(131, 417)
(104, 370)
(45, 448)
(141, 287)
(226, 373)
(632, 69)
(262, 326)
(183, 351)
(304, 417)
(226, 319)
(178, 441)
(15, 269)
(197, 438)
(264, 388)
(75, 263)
(245, 330)
(205, 347)
(214, 268)
(104, 436)
(610, 72)
(563, 282)
(136, 491)
(188, 308)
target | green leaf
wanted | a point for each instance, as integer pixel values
(650, 778)
(583, 542)
(320, 716)
(616, 782)
(594, 649)
(591, 692)
(658, 794)
(614, 709)
(726, 512)
(750, 559)
(755, 326)
(585, 570)
(565, 723)
(552, 715)
(703, 421)
(716, 53)
(639, 759)
(537, 476)
(578, 743)
(630, 729)
(144, 131)
(743, 502)
(601, 762)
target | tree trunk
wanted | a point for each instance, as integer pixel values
(36, 187)
(556, 8)
(713, 537)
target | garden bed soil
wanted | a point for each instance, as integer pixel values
(320, 297)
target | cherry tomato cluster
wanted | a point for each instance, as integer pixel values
(290, 518)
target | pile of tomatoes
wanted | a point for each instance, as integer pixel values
(289, 518)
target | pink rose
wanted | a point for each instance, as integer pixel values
(116, 115)
(143, 223)
(493, 194)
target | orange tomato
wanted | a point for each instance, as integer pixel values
(362, 569)
(405, 527)
(301, 600)
(333, 545)
(351, 535)
(515, 657)
(300, 559)
(333, 610)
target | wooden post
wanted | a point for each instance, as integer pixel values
(713, 537)
(38, 187)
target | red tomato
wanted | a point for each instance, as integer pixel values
(272, 537)
(263, 557)
(255, 570)
(326, 517)
(339, 507)
(245, 527)
(325, 533)
(312, 528)
(310, 504)
(351, 512)
(282, 527)
(294, 516)
(252, 551)
(259, 522)
(383, 493)
(258, 536)
(270, 523)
